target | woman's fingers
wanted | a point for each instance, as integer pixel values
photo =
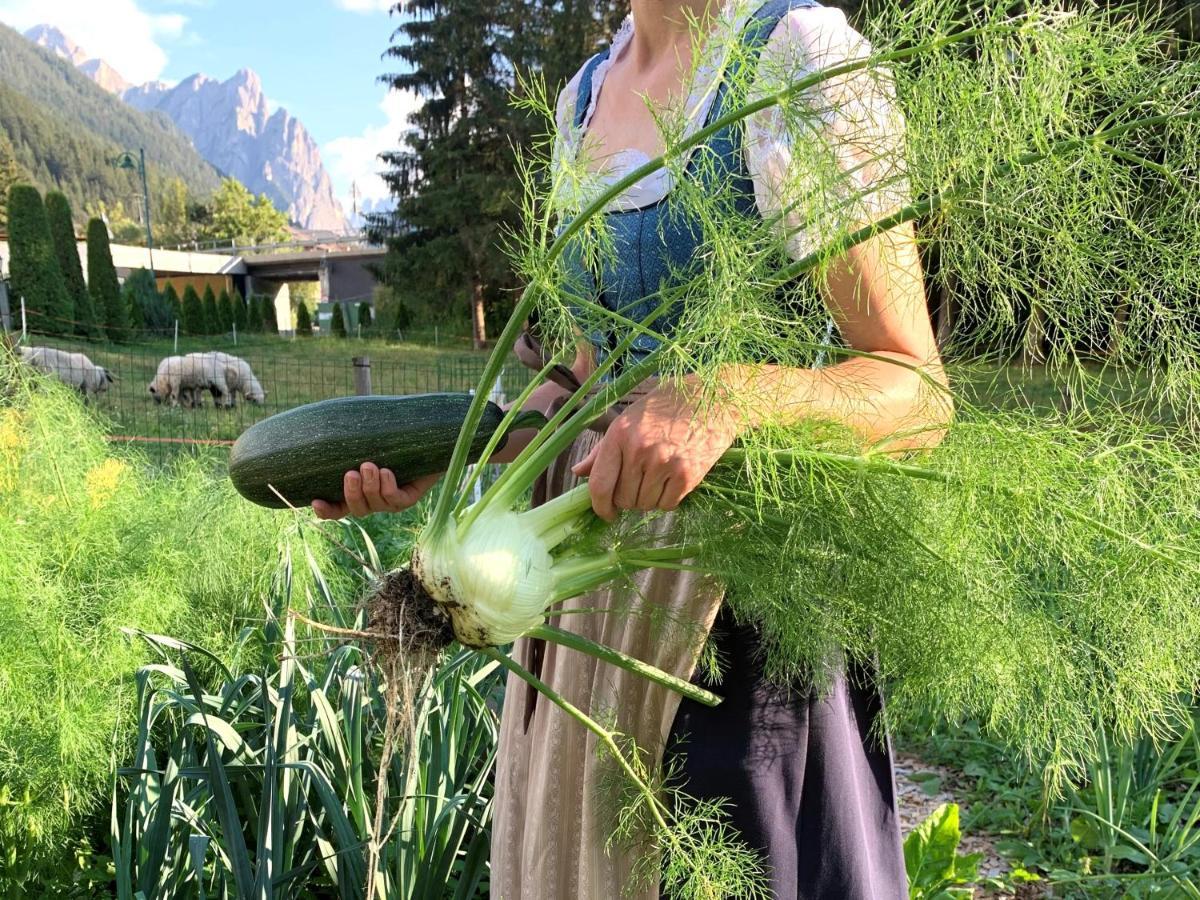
(370, 489)
(603, 475)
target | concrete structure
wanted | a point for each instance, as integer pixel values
(343, 273)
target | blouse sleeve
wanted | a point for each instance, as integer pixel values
(856, 162)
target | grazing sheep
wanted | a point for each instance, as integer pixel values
(238, 375)
(72, 369)
(187, 377)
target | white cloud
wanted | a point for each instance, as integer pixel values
(118, 31)
(365, 6)
(355, 159)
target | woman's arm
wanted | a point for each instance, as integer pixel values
(661, 448)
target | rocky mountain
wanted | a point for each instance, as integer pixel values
(233, 128)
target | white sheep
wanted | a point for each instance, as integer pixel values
(238, 375)
(72, 369)
(187, 377)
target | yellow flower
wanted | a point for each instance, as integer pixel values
(104, 480)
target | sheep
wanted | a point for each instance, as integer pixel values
(187, 377)
(238, 375)
(72, 369)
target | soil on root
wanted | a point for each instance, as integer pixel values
(405, 619)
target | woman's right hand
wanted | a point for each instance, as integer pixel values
(370, 489)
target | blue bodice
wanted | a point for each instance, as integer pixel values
(655, 246)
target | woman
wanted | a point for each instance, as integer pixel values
(808, 777)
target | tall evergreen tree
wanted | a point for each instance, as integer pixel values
(455, 178)
(171, 301)
(11, 172)
(66, 248)
(154, 311)
(102, 282)
(194, 321)
(337, 324)
(303, 321)
(225, 311)
(255, 318)
(33, 267)
(365, 320)
(212, 316)
(269, 317)
(241, 316)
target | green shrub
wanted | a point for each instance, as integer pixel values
(241, 317)
(94, 543)
(102, 282)
(194, 320)
(66, 248)
(225, 312)
(365, 320)
(212, 315)
(303, 321)
(171, 301)
(34, 272)
(270, 320)
(155, 310)
(337, 324)
(254, 323)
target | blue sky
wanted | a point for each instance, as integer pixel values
(318, 58)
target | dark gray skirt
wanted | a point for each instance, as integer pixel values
(808, 777)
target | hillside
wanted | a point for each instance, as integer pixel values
(64, 129)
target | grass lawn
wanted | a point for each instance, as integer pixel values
(292, 372)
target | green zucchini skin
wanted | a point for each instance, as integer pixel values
(304, 453)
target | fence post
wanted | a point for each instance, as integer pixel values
(24, 333)
(176, 350)
(362, 375)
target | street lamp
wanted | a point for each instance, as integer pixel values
(138, 163)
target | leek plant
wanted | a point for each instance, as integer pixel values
(277, 779)
(1035, 571)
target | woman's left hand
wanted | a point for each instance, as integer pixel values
(655, 453)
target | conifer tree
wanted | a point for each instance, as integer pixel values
(171, 300)
(365, 319)
(103, 284)
(66, 248)
(337, 324)
(255, 319)
(34, 272)
(270, 322)
(194, 321)
(11, 172)
(225, 311)
(212, 317)
(303, 321)
(241, 316)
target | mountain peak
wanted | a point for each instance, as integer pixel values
(50, 38)
(105, 76)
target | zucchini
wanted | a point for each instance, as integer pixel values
(303, 453)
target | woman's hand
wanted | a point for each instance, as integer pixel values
(655, 453)
(370, 489)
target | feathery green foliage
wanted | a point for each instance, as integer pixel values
(102, 282)
(364, 316)
(66, 248)
(1036, 571)
(33, 265)
(93, 543)
(194, 319)
(337, 322)
(212, 315)
(303, 321)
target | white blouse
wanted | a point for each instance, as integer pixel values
(855, 115)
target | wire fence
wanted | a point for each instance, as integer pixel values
(165, 406)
